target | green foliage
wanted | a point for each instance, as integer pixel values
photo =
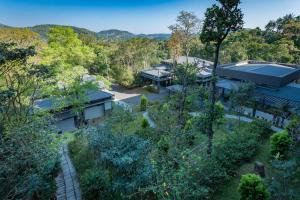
(260, 127)
(66, 50)
(293, 127)
(220, 20)
(235, 149)
(252, 187)
(145, 123)
(126, 158)
(131, 56)
(95, 184)
(143, 104)
(29, 158)
(284, 181)
(280, 144)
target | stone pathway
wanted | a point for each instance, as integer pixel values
(67, 182)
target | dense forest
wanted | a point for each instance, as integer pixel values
(184, 156)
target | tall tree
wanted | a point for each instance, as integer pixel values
(219, 21)
(188, 25)
(182, 36)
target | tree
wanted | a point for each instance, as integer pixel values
(186, 76)
(28, 160)
(20, 80)
(125, 157)
(144, 102)
(283, 184)
(280, 144)
(252, 187)
(182, 35)
(219, 21)
(145, 123)
(186, 28)
(241, 96)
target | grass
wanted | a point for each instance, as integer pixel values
(228, 191)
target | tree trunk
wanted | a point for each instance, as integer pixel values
(210, 131)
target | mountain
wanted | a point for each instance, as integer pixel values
(118, 34)
(156, 36)
(115, 34)
(44, 28)
(112, 34)
(4, 26)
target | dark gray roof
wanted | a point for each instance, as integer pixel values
(156, 74)
(228, 84)
(261, 73)
(54, 103)
(290, 92)
(94, 96)
(265, 69)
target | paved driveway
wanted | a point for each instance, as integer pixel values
(133, 96)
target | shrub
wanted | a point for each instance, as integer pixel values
(95, 184)
(260, 127)
(236, 149)
(280, 144)
(144, 102)
(164, 144)
(152, 88)
(252, 187)
(145, 123)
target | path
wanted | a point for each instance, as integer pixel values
(67, 182)
(151, 122)
(248, 120)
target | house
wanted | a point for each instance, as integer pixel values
(96, 105)
(162, 74)
(275, 83)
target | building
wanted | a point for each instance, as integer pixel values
(96, 105)
(158, 75)
(275, 83)
(162, 74)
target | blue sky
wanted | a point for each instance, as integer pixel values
(137, 16)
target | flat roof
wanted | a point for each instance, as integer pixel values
(228, 84)
(52, 103)
(261, 73)
(264, 69)
(156, 74)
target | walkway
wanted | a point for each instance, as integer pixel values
(67, 182)
(242, 118)
(151, 122)
(248, 120)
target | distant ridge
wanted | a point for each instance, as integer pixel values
(111, 34)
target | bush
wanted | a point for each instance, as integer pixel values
(144, 102)
(252, 187)
(261, 127)
(280, 144)
(152, 88)
(145, 123)
(236, 149)
(95, 184)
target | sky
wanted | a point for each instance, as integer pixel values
(137, 16)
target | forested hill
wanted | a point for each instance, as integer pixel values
(111, 34)
(44, 28)
(4, 26)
